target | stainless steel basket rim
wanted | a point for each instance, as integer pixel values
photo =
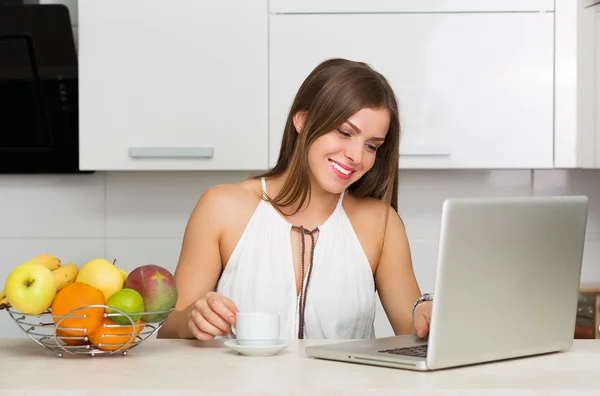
(123, 313)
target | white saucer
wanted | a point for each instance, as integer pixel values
(266, 350)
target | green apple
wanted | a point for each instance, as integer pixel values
(128, 301)
(30, 288)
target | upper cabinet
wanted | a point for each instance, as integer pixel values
(173, 85)
(577, 109)
(474, 79)
(207, 84)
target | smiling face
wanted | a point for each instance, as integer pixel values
(336, 123)
(342, 156)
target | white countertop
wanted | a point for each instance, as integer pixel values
(182, 367)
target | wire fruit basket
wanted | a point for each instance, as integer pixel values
(50, 332)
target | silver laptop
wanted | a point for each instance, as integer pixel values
(507, 283)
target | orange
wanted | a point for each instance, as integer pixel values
(75, 296)
(110, 336)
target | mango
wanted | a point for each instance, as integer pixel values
(157, 287)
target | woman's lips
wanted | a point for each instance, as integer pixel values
(340, 170)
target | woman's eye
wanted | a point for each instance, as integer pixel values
(346, 134)
(372, 147)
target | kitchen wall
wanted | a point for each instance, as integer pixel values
(139, 217)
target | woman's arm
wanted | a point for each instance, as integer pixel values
(199, 266)
(394, 277)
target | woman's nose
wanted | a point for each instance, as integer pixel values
(354, 153)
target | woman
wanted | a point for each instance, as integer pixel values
(316, 236)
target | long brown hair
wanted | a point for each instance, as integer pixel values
(332, 92)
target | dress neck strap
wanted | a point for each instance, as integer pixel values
(339, 203)
(264, 187)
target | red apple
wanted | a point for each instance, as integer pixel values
(157, 287)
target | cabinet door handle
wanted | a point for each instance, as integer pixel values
(424, 150)
(171, 152)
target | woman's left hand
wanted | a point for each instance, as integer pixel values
(422, 319)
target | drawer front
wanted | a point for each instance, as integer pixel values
(174, 87)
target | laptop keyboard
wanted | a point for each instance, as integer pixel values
(420, 351)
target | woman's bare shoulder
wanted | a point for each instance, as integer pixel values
(369, 217)
(369, 209)
(231, 196)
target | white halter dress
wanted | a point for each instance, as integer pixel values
(337, 299)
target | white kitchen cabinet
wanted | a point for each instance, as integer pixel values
(475, 89)
(181, 84)
(577, 84)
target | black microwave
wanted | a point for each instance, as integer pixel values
(39, 112)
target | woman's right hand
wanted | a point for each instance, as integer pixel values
(211, 316)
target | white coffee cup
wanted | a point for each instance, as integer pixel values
(256, 328)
